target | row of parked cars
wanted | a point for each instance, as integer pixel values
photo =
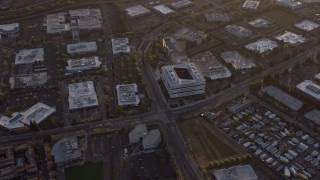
(273, 141)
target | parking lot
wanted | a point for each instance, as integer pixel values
(283, 147)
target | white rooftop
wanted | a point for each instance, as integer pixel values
(82, 47)
(310, 88)
(82, 95)
(37, 113)
(262, 45)
(283, 97)
(251, 4)
(236, 173)
(181, 4)
(66, 149)
(120, 45)
(217, 17)
(291, 38)
(79, 13)
(89, 22)
(238, 31)
(138, 132)
(28, 80)
(137, 10)
(210, 67)
(127, 95)
(191, 35)
(163, 9)
(314, 116)
(307, 25)
(84, 63)
(259, 23)
(151, 137)
(5, 28)
(237, 60)
(29, 56)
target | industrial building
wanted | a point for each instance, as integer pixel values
(307, 25)
(67, 152)
(56, 23)
(82, 95)
(291, 38)
(174, 50)
(183, 80)
(86, 19)
(20, 120)
(120, 45)
(82, 64)
(251, 4)
(262, 45)
(29, 56)
(310, 88)
(137, 11)
(82, 48)
(238, 31)
(292, 4)
(152, 140)
(314, 116)
(127, 95)
(210, 67)
(259, 23)
(139, 132)
(244, 172)
(164, 10)
(9, 30)
(217, 17)
(284, 98)
(237, 60)
(28, 80)
(181, 4)
(190, 35)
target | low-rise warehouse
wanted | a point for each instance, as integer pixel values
(164, 10)
(9, 30)
(137, 11)
(310, 88)
(210, 67)
(259, 23)
(29, 56)
(251, 4)
(307, 25)
(82, 64)
(291, 38)
(66, 152)
(237, 60)
(152, 140)
(283, 97)
(120, 45)
(82, 48)
(235, 173)
(82, 95)
(190, 35)
(262, 45)
(127, 95)
(217, 17)
(181, 4)
(314, 116)
(139, 132)
(28, 80)
(292, 4)
(35, 114)
(238, 31)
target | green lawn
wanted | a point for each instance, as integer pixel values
(88, 171)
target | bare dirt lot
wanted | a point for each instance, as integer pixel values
(206, 142)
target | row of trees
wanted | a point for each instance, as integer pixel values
(229, 161)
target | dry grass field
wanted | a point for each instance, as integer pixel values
(206, 143)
